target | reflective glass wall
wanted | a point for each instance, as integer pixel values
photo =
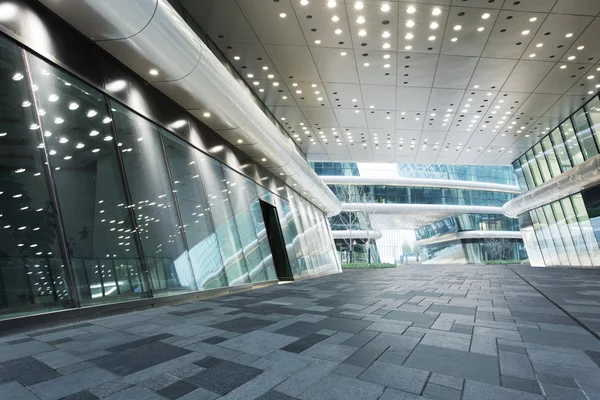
(100, 205)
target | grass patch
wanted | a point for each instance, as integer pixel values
(367, 266)
(502, 262)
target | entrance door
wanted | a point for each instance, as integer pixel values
(276, 241)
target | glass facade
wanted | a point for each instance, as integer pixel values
(576, 140)
(335, 168)
(428, 195)
(563, 233)
(477, 173)
(100, 205)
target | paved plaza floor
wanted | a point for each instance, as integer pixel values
(434, 332)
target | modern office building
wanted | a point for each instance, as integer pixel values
(156, 151)
(456, 211)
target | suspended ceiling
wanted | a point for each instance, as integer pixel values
(425, 81)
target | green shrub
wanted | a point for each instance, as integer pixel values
(502, 262)
(367, 266)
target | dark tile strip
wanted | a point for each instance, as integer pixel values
(138, 343)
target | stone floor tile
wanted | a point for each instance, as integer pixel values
(337, 387)
(436, 392)
(343, 325)
(224, 377)
(306, 377)
(446, 342)
(479, 391)
(73, 383)
(396, 376)
(284, 362)
(525, 385)
(411, 317)
(15, 391)
(329, 352)
(351, 371)
(304, 343)
(108, 388)
(446, 380)
(258, 342)
(177, 389)
(274, 395)
(563, 393)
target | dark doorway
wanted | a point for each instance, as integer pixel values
(275, 235)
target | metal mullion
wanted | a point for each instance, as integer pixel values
(52, 192)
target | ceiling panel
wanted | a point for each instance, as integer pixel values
(404, 81)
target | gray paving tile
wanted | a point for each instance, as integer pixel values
(516, 364)
(283, 362)
(15, 391)
(274, 395)
(433, 391)
(224, 376)
(242, 325)
(258, 342)
(134, 393)
(411, 317)
(446, 342)
(440, 308)
(478, 391)
(446, 380)
(337, 387)
(27, 370)
(396, 376)
(348, 370)
(525, 385)
(329, 352)
(299, 329)
(303, 379)
(73, 383)
(393, 394)
(177, 389)
(563, 339)
(462, 364)
(343, 325)
(563, 393)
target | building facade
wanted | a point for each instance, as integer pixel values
(113, 196)
(559, 175)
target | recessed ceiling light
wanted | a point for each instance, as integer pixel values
(411, 9)
(206, 114)
(284, 98)
(359, 5)
(457, 27)
(283, 15)
(338, 31)
(407, 47)
(331, 4)
(571, 58)
(386, 56)
(409, 36)
(591, 77)
(432, 38)
(386, 46)
(569, 35)
(275, 84)
(386, 66)
(360, 20)
(525, 32)
(563, 66)
(410, 23)
(153, 72)
(539, 45)
(532, 19)
(581, 48)
(385, 34)
(434, 25)
(385, 7)
(271, 76)
(299, 91)
(366, 64)
(436, 11)
(454, 39)
(294, 84)
(255, 83)
(480, 29)
(317, 41)
(485, 16)
(265, 68)
(250, 75)
(335, 18)
(236, 58)
(532, 55)
(362, 32)
(240, 141)
(304, 2)
(343, 53)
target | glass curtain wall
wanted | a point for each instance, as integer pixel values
(99, 205)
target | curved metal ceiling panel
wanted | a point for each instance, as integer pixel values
(470, 235)
(152, 39)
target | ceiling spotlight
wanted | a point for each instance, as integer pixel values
(409, 36)
(431, 38)
(580, 47)
(240, 141)
(563, 67)
(485, 16)
(532, 55)
(255, 83)
(569, 35)
(386, 66)
(271, 76)
(304, 2)
(571, 58)
(539, 45)
(407, 47)
(532, 19)
(335, 18)
(386, 56)
(591, 77)
(525, 32)
(385, 7)
(153, 72)
(360, 20)
(338, 31)
(434, 25)
(275, 84)
(236, 58)
(359, 5)
(250, 76)
(480, 29)
(385, 34)
(386, 46)
(283, 15)
(411, 9)
(436, 11)
(206, 115)
(454, 39)
(457, 27)
(366, 64)
(362, 32)
(317, 42)
(410, 23)
(343, 53)
(331, 4)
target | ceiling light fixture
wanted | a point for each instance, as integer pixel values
(480, 29)
(331, 3)
(317, 41)
(343, 53)
(485, 16)
(335, 18)
(432, 38)
(411, 9)
(385, 34)
(304, 2)
(338, 31)
(385, 7)
(580, 47)
(409, 36)
(362, 32)
(282, 15)
(360, 20)
(436, 11)
(532, 19)
(569, 35)
(457, 27)
(525, 32)
(454, 39)
(410, 23)
(434, 25)
(359, 5)
(153, 72)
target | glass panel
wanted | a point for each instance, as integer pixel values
(33, 275)
(194, 210)
(224, 220)
(527, 172)
(561, 150)
(550, 156)
(565, 234)
(555, 235)
(571, 142)
(152, 198)
(530, 240)
(593, 108)
(520, 176)
(541, 161)
(586, 228)
(573, 225)
(535, 169)
(584, 133)
(543, 233)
